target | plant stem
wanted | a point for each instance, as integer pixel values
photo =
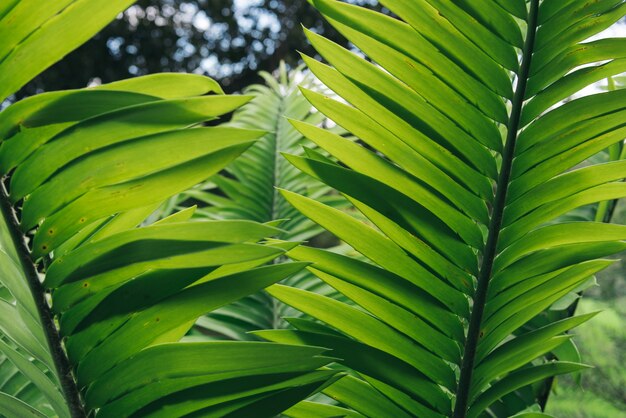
(61, 362)
(280, 114)
(474, 333)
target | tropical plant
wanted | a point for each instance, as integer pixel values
(248, 189)
(603, 211)
(93, 300)
(464, 168)
(465, 251)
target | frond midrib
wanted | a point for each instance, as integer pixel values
(274, 210)
(495, 224)
(62, 366)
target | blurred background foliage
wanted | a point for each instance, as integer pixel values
(602, 342)
(231, 41)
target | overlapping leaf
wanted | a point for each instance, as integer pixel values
(87, 167)
(35, 35)
(249, 189)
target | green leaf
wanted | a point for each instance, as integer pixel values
(131, 383)
(28, 48)
(12, 406)
(307, 409)
(38, 378)
(369, 361)
(359, 325)
(120, 283)
(419, 94)
(520, 379)
(363, 398)
(165, 150)
(385, 253)
(375, 280)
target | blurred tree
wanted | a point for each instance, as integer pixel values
(230, 40)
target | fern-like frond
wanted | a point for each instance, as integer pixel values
(125, 295)
(249, 189)
(36, 36)
(94, 299)
(465, 248)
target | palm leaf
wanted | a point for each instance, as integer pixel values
(250, 183)
(76, 190)
(465, 248)
(249, 189)
(567, 307)
(26, 27)
(125, 294)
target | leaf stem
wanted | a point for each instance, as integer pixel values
(274, 213)
(61, 362)
(480, 297)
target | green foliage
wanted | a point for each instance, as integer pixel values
(124, 295)
(125, 291)
(249, 187)
(27, 45)
(460, 212)
(474, 235)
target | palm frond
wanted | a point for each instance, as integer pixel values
(94, 298)
(249, 189)
(124, 295)
(26, 27)
(465, 248)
